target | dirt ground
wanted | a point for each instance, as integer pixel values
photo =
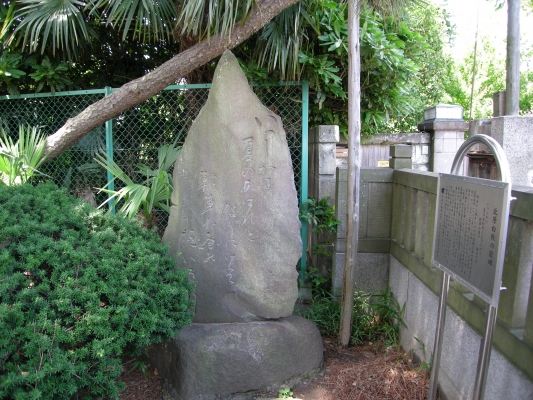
(366, 372)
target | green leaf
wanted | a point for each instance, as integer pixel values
(20, 161)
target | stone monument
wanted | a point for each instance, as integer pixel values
(234, 219)
(234, 224)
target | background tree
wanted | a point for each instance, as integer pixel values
(490, 78)
(306, 41)
(401, 61)
(100, 50)
(243, 19)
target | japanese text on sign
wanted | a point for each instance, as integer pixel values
(468, 234)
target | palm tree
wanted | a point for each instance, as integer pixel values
(61, 26)
(64, 26)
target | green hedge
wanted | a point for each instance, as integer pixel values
(79, 289)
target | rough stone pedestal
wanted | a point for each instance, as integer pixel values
(219, 361)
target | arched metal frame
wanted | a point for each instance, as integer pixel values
(499, 155)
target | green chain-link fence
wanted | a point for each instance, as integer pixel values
(135, 135)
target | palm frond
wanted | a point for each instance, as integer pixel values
(167, 156)
(8, 18)
(139, 19)
(60, 23)
(20, 161)
(394, 8)
(113, 167)
(134, 194)
(204, 18)
(154, 192)
(282, 39)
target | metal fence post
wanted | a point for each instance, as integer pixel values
(109, 153)
(304, 175)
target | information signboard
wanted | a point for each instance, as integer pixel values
(470, 229)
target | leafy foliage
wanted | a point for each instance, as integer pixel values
(405, 66)
(53, 76)
(20, 160)
(153, 192)
(320, 214)
(106, 43)
(78, 290)
(401, 61)
(285, 393)
(10, 72)
(377, 316)
(489, 79)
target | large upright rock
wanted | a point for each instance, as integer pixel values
(234, 219)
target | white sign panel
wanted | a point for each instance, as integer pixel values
(470, 232)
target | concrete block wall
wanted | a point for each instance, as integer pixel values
(460, 347)
(375, 208)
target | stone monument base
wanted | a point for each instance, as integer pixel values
(217, 361)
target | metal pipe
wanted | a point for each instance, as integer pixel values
(304, 176)
(439, 333)
(110, 154)
(484, 353)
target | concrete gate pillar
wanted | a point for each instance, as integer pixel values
(445, 124)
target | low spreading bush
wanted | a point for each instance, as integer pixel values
(79, 289)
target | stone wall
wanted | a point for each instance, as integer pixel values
(417, 284)
(375, 208)
(322, 146)
(397, 211)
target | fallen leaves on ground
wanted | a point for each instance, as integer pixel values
(365, 372)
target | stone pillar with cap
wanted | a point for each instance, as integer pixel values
(445, 124)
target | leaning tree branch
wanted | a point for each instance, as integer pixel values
(138, 90)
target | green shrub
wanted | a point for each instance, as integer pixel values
(79, 289)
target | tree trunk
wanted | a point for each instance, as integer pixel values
(354, 167)
(512, 82)
(140, 89)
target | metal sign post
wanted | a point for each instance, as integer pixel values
(469, 245)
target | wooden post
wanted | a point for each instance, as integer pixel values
(354, 163)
